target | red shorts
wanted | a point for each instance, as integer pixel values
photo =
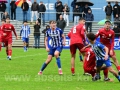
(7, 41)
(91, 71)
(74, 47)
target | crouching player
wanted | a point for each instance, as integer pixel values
(89, 64)
(101, 54)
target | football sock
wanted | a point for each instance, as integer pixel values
(80, 58)
(105, 73)
(43, 66)
(58, 62)
(73, 70)
(118, 68)
(24, 47)
(9, 52)
(118, 77)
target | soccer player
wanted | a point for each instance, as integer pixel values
(8, 29)
(89, 64)
(57, 41)
(77, 39)
(102, 57)
(107, 38)
(25, 33)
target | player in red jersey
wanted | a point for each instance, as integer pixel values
(89, 64)
(107, 38)
(8, 29)
(1, 32)
(77, 38)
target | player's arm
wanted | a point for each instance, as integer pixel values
(86, 47)
(28, 31)
(14, 32)
(112, 41)
(46, 42)
(97, 34)
(21, 32)
(64, 39)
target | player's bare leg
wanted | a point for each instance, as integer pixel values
(49, 58)
(24, 45)
(9, 49)
(73, 64)
(114, 72)
(56, 54)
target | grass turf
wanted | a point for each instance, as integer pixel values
(21, 73)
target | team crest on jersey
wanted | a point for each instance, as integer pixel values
(110, 35)
(10, 27)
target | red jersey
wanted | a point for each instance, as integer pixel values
(89, 59)
(77, 34)
(7, 29)
(106, 37)
(1, 34)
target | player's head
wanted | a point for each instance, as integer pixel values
(52, 24)
(7, 19)
(25, 23)
(91, 37)
(82, 20)
(107, 25)
(2, 21)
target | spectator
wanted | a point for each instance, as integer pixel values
(37, 34)
(81, 10)
(85, 9)
(73, 7)
(61, 23)
(5, 15)
(59, 9)
(76, 14)
(42, 10)
(116, 20)
(108, 11)
(66, 13)
(13, 9)
(34, 9)
(117, 32)
(2, 8)
(44, 31)
(115, 9)
(89, 17)
(25, 8)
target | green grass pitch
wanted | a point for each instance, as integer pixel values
(21, 73)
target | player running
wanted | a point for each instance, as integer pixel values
(102, 57)
(8, 29)
(77, 38)
(57, 41)
(107, 38)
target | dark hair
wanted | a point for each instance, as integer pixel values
(81, 18)
(52, 21)
(91, 36)
(24, 21)
(3, 20)
(108, 2)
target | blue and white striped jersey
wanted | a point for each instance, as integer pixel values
(98, 49)
(25, 31)
(55, 37)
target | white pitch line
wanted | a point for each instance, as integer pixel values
(25, 56)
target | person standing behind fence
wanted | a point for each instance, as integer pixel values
(89, 17)
(73, 7)
(85, 9)
(5, 15)
(34, 9)
(76, 14)
(61, 23)
(108, 11)
(2, 8)
(25, 8)
(42, 10)
(25, 33)
(13, 9)
(115, 9)
(37, 34)
(59, 9)
(66, 10)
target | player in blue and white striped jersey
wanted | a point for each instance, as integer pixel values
(25, 33)
(57, 41)
(101, 53)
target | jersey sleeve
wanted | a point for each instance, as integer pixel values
(21, 31)
(97, 34)
(83, 33)
(47, 34)
(101, 45)
(14, 31)
(112, 40)
(61, 32)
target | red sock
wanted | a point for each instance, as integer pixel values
(118, 68)
(9, 52)
(0, 47)
(105, 73)
(73, 70)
